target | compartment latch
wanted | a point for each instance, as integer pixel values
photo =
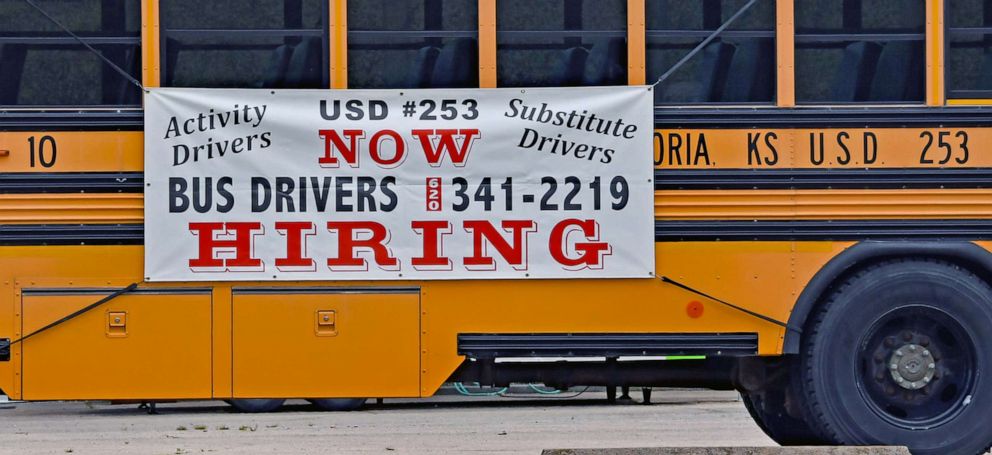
(116, 324)
(326, 323)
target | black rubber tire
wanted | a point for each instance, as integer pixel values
(256, 405)
(833, 364)
(338, 404)
(768, 411)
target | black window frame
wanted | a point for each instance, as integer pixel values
(432, 34)
(59, 40)
(711, 22)
(949, 33)
(288, 35)
(571, 35)
(841, 37)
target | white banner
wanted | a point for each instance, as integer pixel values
(252, 184)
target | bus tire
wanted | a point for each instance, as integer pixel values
(338, 404)
(256, 405)
(769, 413)
(893, 357)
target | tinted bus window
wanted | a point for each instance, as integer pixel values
(413, 43)
(561, 42)
(860, 51)
(41, 65)
(969, 56)
(737, 67)
(232, 43)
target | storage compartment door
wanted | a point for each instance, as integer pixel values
(142, 345)
(326, 344)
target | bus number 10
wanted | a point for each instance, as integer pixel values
(45, 152)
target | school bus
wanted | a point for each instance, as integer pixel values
(822, 210)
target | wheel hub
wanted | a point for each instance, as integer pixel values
(912, 366)
(917, 366)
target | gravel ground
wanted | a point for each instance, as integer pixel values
(443, 424)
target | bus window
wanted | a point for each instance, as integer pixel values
(561, 42)
(746, 50)
(233, 43)
(969, 59)
(851, 51)
(41, 65)
(413, 43)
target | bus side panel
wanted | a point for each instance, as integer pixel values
(138, 346)
(51, 267)
(322, 344)
(765, 277)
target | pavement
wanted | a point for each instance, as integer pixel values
(446, 424)
(817, 450)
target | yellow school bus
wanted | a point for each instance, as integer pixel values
(822, 210)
